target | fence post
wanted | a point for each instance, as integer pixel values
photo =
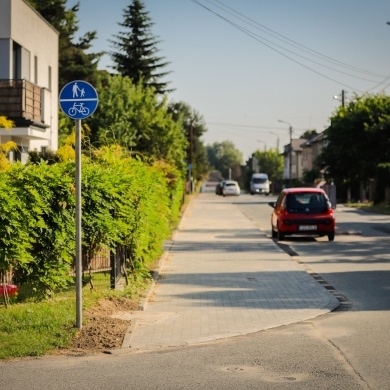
(113, 269)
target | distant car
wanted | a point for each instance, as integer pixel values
(231, 187)
(305, 211)
(219, 186)
(259, 184)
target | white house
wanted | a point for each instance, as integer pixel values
(28, 78)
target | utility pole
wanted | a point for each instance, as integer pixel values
(343, 92)
(290, 158)
(290, 130)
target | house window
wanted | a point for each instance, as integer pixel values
(35, 70)
(21, 154)
(50, 78)
(17, 61)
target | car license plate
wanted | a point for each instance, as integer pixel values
(307, 227)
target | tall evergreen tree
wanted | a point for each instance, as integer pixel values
(74, 62)
(136, 50)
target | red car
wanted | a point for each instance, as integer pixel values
(305, 211)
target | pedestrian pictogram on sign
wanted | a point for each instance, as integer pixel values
(78, 99)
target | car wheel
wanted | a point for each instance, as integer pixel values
(331, 236)
(274, 234)
(280, 235)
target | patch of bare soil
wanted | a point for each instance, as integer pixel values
(102, 332)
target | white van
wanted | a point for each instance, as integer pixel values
(259, 184)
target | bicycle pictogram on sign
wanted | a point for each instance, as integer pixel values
(78, 108)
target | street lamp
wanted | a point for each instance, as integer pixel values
(265, 145)
(290, 150)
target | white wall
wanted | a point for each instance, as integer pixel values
(23, 25)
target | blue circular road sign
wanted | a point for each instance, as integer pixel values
(78, 99)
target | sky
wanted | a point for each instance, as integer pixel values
(253, 68)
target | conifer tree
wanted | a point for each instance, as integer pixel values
(74, 62)
(136, 49)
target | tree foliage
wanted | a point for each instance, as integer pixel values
(194, 127)
(47, 191)
(8, 146)
(271, 162)
(6, 123)
(132, 116)
(74, 61)
(126, 202)
(15, 240)
(135, 49)
(358, 140)
(225, 158)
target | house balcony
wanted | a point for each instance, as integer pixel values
(23, 102)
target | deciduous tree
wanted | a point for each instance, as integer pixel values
(271, 162)
(358, 139)
(132, 116)
(194, 127)
(225, 157)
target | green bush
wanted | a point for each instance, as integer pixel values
(142, 199)
(125, 202)
(47, 193)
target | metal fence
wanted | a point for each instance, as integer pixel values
(107, 269)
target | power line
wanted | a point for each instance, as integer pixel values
(269, 44)
(248, 126)
(256, 129)
(292, 42)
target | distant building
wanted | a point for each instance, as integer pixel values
(311, 149)
(28, 78)
(293, 160)
(304, 153)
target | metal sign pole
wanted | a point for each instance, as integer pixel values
(79, 291)
(78, 100)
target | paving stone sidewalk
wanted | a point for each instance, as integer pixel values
(222, 277)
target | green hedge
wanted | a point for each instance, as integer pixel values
(125, 201)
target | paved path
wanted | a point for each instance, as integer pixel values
(222, 277)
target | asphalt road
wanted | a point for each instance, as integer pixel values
(357, 266)
(345, 349)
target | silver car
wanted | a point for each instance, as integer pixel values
(231, 187)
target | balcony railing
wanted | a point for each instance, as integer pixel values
(21, 100)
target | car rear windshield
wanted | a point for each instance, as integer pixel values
(307, 202)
